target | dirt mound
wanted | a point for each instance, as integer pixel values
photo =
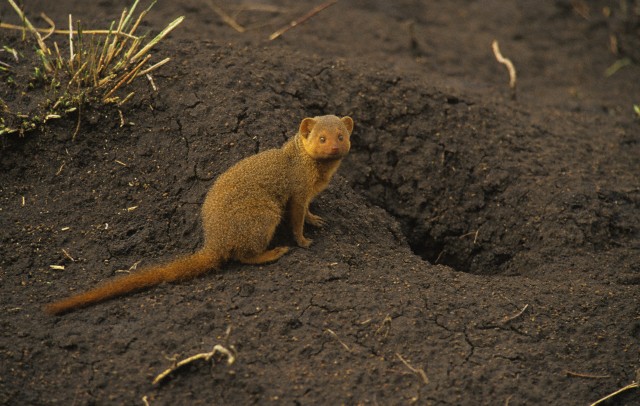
(476, 186)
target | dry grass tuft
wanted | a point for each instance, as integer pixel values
(97, 67)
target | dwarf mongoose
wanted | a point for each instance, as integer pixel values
(245, 205)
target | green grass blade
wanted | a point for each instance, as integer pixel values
(157, 39)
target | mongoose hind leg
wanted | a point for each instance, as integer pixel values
(267, 256)
(257, 232)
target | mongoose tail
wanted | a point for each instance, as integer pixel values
(179, 269)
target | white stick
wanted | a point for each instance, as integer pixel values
(70, 40)
(506, 62)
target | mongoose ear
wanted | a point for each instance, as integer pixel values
(348, 122)
(306, 126)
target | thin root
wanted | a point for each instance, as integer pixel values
(302, 19)
(609, 396)
(227, 18)
(386, 322)
(51, 23)
(506, 62)
(418, 371)
(339, 340)
(515, 316)
(205, 355)
(588, 376)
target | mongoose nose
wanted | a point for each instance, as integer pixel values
(335, 150)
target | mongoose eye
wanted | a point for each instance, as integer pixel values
(323, 140)
(340, 137)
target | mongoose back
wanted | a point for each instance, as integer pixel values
(244, 206)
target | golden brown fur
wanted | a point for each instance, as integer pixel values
(245, 205)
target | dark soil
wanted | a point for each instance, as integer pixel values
(493, 243)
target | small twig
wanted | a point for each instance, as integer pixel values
(227, 18)
(474, 233)
(206, 356)
(302, 19)
(153, 84)
(126, 99)
(506, 62)
(58, 56)
(131, 268)
(64, 32)
(588, 376)
(66, 254)
(266, 8)
(77, 130)
(507, 319)
(71, 41)
(121, 118)
(418, 371)
(153, 67)
(51, 23)
(77, 74)
(339, 340)
(30, 27)
(385, 322)
(12, 51)
(227, 336)
(60, 170)
(126, 77)
(609, 396)
(439, 256)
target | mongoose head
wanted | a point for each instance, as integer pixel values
(326, 137)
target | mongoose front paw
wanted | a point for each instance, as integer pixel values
(303, 242)
(314, 220)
